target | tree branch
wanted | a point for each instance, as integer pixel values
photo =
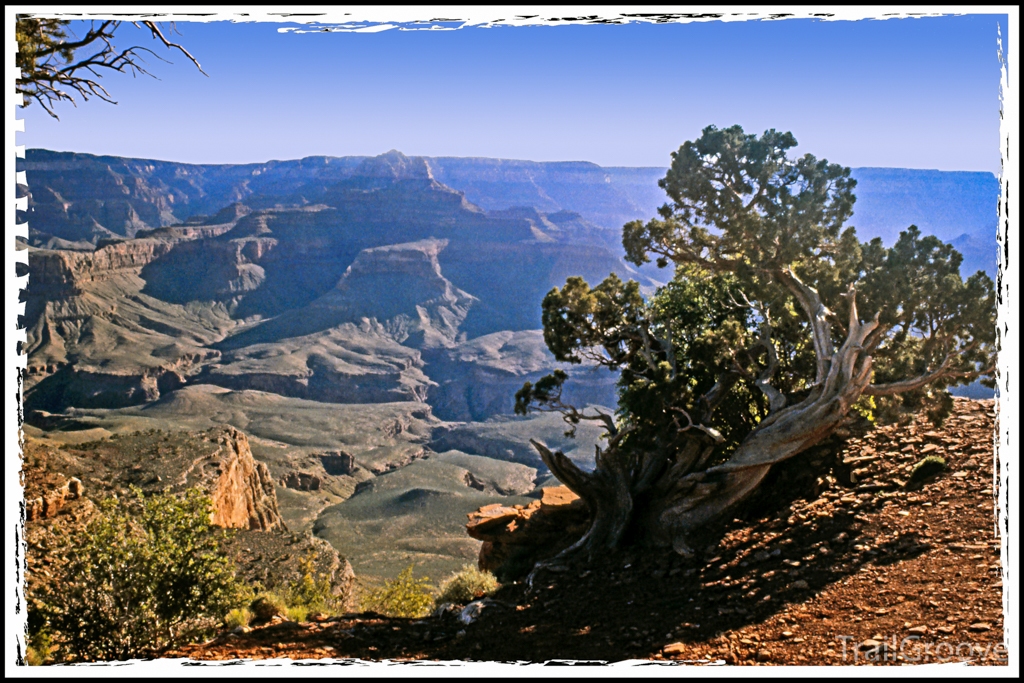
(42, 68)
(817, 317)
(716, 394)
(892, 388)
(646, 351)
(578, 481)
(776, 399)
(690, 424)
(160, 36)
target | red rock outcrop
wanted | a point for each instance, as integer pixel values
(540, 529)
(51, 502)
(217, 461)
(242, 491)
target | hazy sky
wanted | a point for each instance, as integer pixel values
(918, 93)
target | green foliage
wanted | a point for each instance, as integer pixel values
(933, 315)
(466, 585)
(240, 616)
(738, 197)
(866, 407)
(145, 574)
(297, 613)
(403, 596)
(312, 591)
(696, 327)
(746, 228)
(927, 467)
(39, 646)
(577, 317)
(266, 606)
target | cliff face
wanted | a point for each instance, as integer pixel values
(243, 491)
(344, 364)
(479, 378)
(62, 273)
(208, 269)
(401, 286)
(389, 264)
(81, 197)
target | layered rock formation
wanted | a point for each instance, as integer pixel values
(61, 273)
(78, 198)
(345, 364)
(479, 377)
(94, 339)
(401, 286)
(86, 197)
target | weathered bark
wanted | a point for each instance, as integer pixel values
(701, 496)
(607, 491)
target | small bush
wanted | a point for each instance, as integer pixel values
(403, 596)
(312, 591)
(267, 606)
(928, 467)
(240, 616)
(466, 586)
(37, 650)
(145, 574)
(297, 613)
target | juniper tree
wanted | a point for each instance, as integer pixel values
(777, 323)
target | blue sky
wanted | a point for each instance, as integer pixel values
(917, 93)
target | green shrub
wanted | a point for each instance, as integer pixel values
(403, 596)
(37, 650)
(144, 574)
(267, 606)
(240, 616)
(312, 591)
(466, 586)
(927, 467)
(297, 613)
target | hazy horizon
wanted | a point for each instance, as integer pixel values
(441, 156)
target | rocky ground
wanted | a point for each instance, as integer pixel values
(870, 571)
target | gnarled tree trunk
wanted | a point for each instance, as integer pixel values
(679, 497)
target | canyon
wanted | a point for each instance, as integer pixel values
(380, 311)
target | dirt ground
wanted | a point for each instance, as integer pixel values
(864, 574)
